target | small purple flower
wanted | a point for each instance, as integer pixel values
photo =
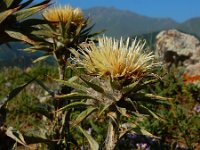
(181, 147)
(89, 131)
(142, 146)
(196, 108)
(8, 84)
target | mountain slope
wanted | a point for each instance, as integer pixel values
(14, 55)
(191, 26)
(125, 23)
(117, 23)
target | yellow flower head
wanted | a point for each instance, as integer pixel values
(64, 15)
(117, 59)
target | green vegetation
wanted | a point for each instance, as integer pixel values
(88, 99)
(182, 116)
(181, 125)
(117, 23)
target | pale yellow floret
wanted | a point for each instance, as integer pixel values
(64, 14)
(117, 59)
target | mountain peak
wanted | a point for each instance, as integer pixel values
(125, 22)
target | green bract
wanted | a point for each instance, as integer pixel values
(116, 74)
(66, 28)
(14, 21)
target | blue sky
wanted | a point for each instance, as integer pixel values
(179, 10)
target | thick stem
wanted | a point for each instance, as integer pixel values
(61, 71)
(61, 64)
(64, 129)
(112, 135)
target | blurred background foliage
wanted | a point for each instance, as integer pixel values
(180, 129)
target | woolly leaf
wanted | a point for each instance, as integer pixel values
(14, 93)
(93, 144)
(73, 105)
(84, 115)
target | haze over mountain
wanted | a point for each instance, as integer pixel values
(117, 23)
(125, 23)
(191, 26)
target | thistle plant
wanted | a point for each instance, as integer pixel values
(113, 80)
(67, 28)
(16, 24)
(109, 77)
(60, 29)
(14, 21)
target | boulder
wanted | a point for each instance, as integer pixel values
(175, 47)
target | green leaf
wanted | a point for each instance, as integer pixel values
(72, 85)
(113, 117)
(31, 22)
(42, 3)
(16, 135)
(150, 82)
(67, 26)
(73, 105)
(84, 115)
(106, 106)
(19, 36)
(5, 14)
(73, 78)
(130, 87)
(93, 86)
(30, 49)
(111, 137)
(95, 34)
(41, 58)
(143, 85)
(149, 98)
(152, 113)
(42, 85)
(86, 31)
(8, 3)
(22, 14)
(44, 110)
(36, 48)
(156, 97)
(123, 111)
(44, 32)
(14, 93)
(93, 144)
(74, 95)
(30, 139)
(95, 127)
(63, 29)
(78, 30)
(74, 52)
(142, 131)
(23, 5)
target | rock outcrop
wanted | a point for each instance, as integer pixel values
(175, 47)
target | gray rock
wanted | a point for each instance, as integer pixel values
(175, 47)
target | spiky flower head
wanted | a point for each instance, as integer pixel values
(116, 58)
(64, 15)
